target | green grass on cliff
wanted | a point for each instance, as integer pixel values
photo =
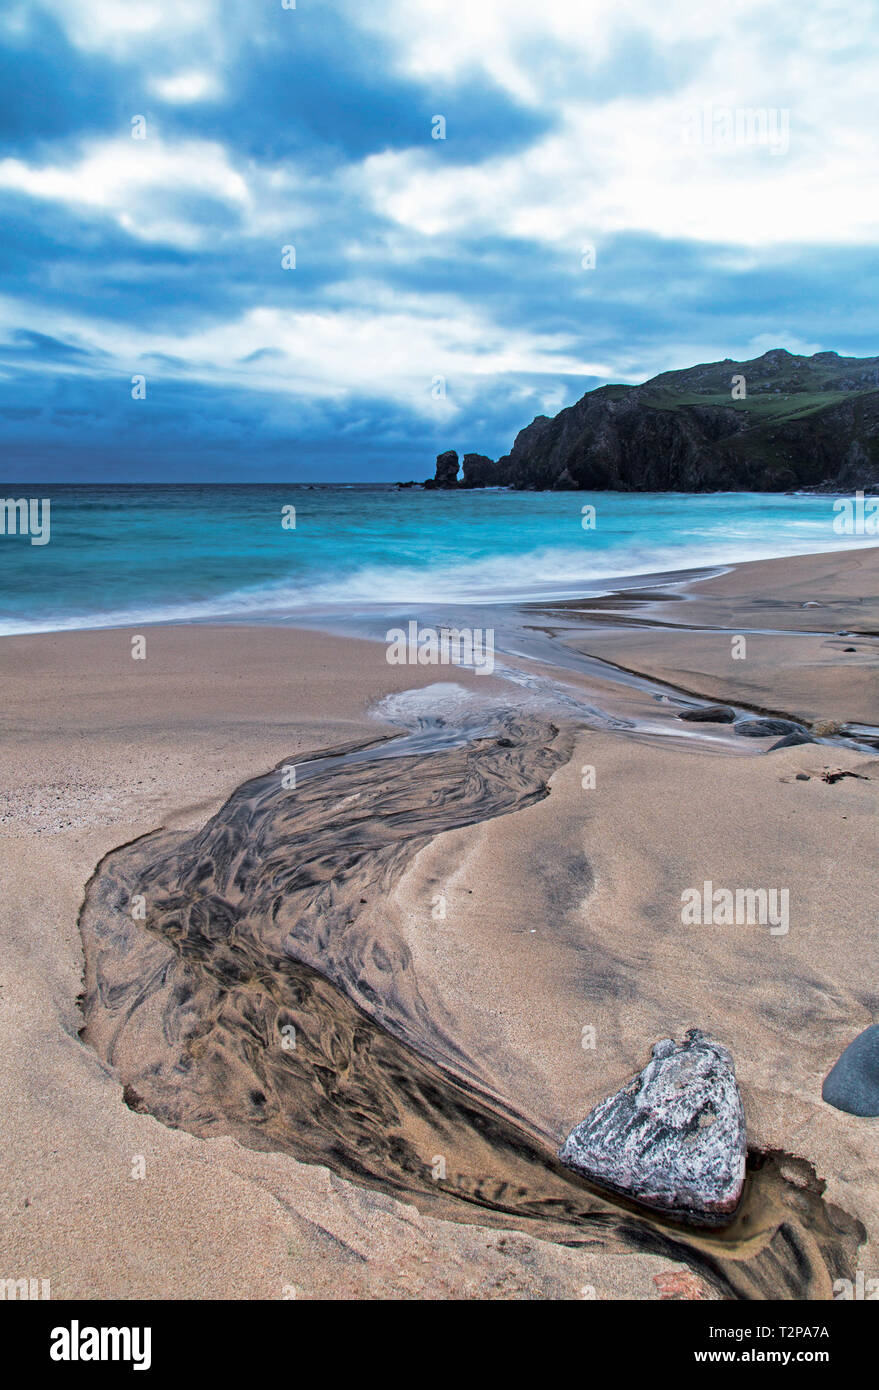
(761, 406)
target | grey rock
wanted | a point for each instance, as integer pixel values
(791, 741)
(708, 714)
(674, 1138)
(853, 1084)
(765, 728)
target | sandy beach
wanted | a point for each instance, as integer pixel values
(463, 919)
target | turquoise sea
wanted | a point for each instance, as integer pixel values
(139, 554)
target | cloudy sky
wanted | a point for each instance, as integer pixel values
(622, 189)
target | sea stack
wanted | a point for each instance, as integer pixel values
(446, 470)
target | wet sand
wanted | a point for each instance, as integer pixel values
(810, 626)
(420, 1033)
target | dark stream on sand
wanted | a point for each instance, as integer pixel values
(210, 1004)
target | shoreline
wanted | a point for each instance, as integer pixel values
(510, 979)
(328, 616)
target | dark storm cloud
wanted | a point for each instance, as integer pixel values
(270, 128)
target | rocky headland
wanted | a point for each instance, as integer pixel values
(775, 423)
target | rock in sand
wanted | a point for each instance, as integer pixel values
(766, 728)
(708, 714)
(853, 1084)
(674, 1138)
